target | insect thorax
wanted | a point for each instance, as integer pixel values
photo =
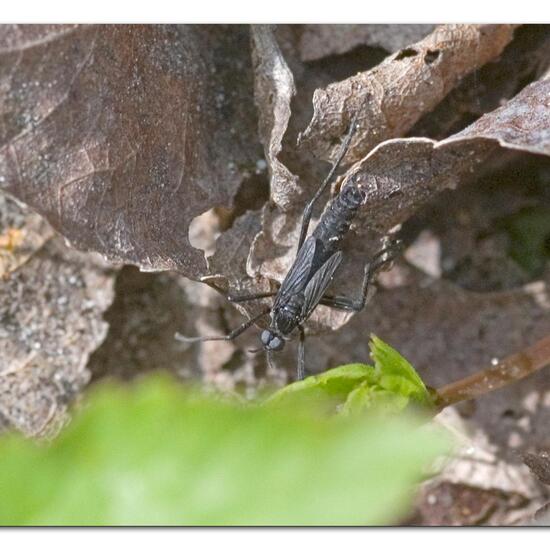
(287, 315)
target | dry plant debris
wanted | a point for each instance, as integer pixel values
(51, 305)
(173, 148)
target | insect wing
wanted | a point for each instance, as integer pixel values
(298, 276)
(319, 282)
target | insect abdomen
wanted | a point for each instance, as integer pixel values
(336, 220)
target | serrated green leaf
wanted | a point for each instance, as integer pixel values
(152, 453)
(326, 390)
(372, 397)
(396, 374)
(390, 385)
(358, 400)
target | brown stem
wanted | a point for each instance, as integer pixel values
(512, 368)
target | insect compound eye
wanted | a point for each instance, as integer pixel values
(271, 341)
(265, 337)
(276, 344)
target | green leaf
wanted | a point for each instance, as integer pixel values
(325, 391)
(153, 453)
(389, 386)
(359, 399)
(373, 398)
(396, 374)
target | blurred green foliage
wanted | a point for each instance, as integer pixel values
(529, 232)
(154, 453)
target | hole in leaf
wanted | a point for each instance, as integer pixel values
(407, 52)
(253, 193)
(204, 230)
(431, 56)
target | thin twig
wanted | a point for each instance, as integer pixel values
(508, 370)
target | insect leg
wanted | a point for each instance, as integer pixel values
(231, 336)
(308, 210)
(340, 302)
(380, 260)
(235, 298)
(270, 361)
(300, 375)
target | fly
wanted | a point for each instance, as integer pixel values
(316, 263)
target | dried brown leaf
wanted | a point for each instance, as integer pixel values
(317, 41)
(121, 134)
(401, 175)
(228, 265)
(523, 60)
(401, 89)
(273, 89)
(522, 124)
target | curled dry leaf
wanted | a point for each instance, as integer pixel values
(120, 134)
(400, 175)
(522, 124)
(273, 90)
(318, 41)
(395, 94)
(523, 60)
(228, 263)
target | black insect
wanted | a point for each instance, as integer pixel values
(317, 260)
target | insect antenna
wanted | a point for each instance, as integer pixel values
(231, 336)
